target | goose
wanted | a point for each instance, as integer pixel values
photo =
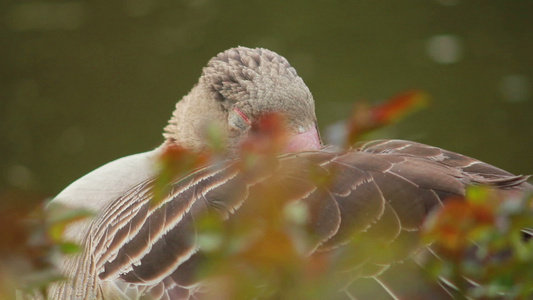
(134, 249)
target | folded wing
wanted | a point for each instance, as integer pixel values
(381, 189)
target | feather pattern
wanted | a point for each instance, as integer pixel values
(136, 247)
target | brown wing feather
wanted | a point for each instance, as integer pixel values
(383, 188)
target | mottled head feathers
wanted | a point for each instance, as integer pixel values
(255, 81)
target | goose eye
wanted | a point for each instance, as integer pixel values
(238, 119)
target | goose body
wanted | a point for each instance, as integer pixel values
(135, 249)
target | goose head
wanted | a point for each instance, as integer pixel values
(236, 89)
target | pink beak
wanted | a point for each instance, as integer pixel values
(305, 141)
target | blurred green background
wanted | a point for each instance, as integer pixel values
(85, 82)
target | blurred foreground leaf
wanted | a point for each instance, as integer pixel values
(481, 247)
(31, 240)
(366, 117)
